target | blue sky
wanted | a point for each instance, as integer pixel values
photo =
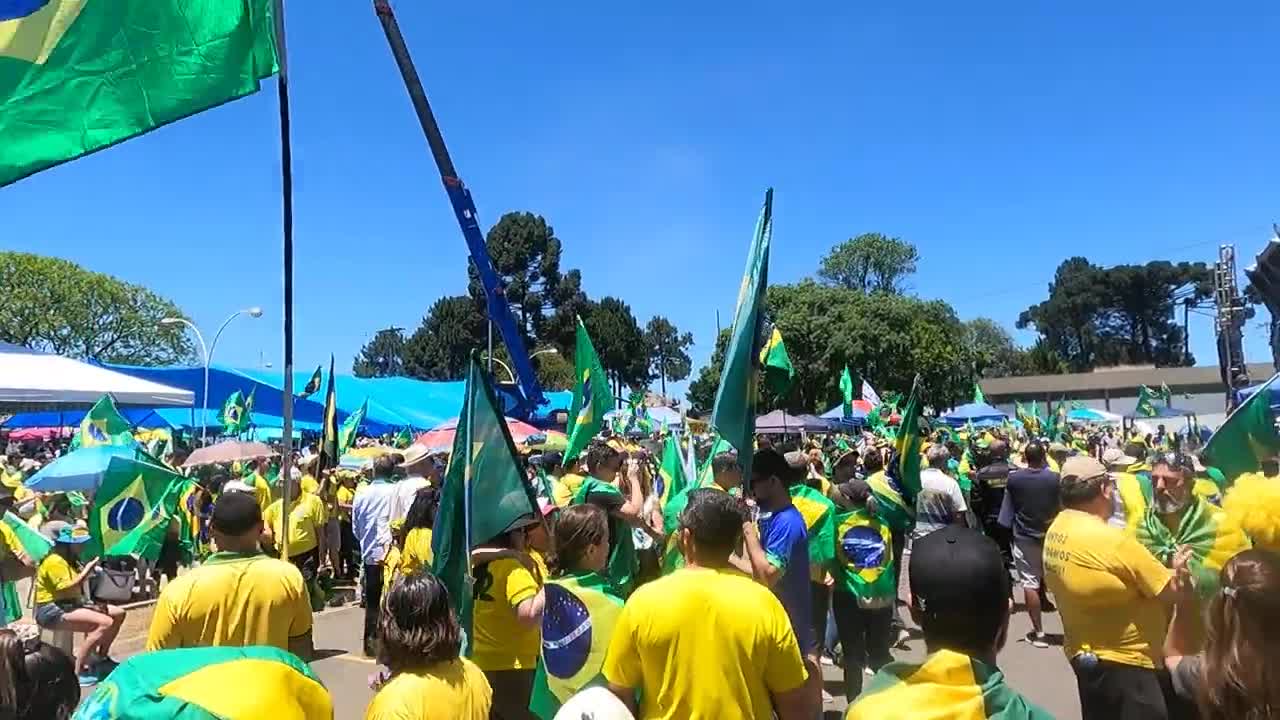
(999, 137)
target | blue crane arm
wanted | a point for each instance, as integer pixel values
(465, 210)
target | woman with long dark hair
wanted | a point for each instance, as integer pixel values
(60, 605)
(1237, 677)
(37, 680)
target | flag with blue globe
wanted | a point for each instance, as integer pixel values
(132, 507)
(577, 621)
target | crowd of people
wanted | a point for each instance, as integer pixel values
(726, 598)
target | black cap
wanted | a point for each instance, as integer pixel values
(958, 573)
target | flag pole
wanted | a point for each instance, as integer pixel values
(286, 190)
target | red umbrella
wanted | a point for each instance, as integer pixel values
(441, 436)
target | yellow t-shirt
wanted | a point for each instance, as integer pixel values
(719, 620)
(1105, 584)
(261, 490)
(391, 568)
(565, 488)
(306, 522)
(501, 642)
(55, 580)
(232, 600)
(309, 484)
(417, 551)
(344, 496)
(455, 689)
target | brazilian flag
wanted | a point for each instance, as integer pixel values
(350, 427)
(671, 478)
(132, 496)
(863, 548)
(778, 372)
(909, 444)
(209, 683)
(1202, 527)
(946, 685)
(591, 396)
(577, 621)
(313, 385)
(32, 544)
(889, 506)
(232, 415)
(78, 76)
(818, 512)
(103, 424)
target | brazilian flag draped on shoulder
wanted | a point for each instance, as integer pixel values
(863, 552)
(889, 506)
(1206, 530)
(670, 471)
(946, 684)
(577, 622)
(78, 76)
(818, 512)
(102, 425)
(132, 508)
(734, 414)
(193, 684)
(909, 444)
(484, 493)
(591, 396)
(1247, 438)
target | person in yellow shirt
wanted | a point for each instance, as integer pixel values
(1113, 597)
(344, 496)
(507, 620)
(239, 596)
(60, 604)
(258, 481)
(421, 643)
(305, 527)
(416, 553)
(565, 487)
(707, 615)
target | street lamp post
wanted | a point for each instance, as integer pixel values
(511, 375)
(207, 352)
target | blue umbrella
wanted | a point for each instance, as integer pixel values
(78, 470)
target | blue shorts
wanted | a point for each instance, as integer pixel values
(48, 615)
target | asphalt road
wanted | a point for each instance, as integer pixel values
(1042, 675)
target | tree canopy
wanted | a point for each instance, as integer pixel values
(57, 306)
(382, 356)
(669, 351)
(870, 262)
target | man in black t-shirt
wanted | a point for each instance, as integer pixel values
(1030, 505)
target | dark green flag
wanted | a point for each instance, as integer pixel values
(734, 415)
(1247, 438)
(313, 385)
(484, 493)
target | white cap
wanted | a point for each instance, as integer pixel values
(596, 703)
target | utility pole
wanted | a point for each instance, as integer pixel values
(1228, 322)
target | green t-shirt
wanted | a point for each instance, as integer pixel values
(623, 563)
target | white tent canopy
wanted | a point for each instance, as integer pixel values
(30, 379)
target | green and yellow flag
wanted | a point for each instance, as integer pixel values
(818, 512)
(103, 425)
(846, 392)
(194, 683)
(403, 439)
(329, 451)
(33, 545)
(734, 414)
(778, 372)
(313, 385)
(1205, 529)
(484, 493)
(577, 622)
(946, 685)
(232, 414)
(351, 427)
(671, 477)
(862, 547)
(78, 76)
(1247, 438)
(591, 396)
(706, 475)
(132, 494)
(909, 444)
(1145, 408)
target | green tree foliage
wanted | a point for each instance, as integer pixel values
(1097, 316)
(554, 370)
(702, 391)
(439, 349)
(57, 306)
(995, 353)
(870, 262)
(619, 342)
(382, 356)
(669, 351)
(884, 337)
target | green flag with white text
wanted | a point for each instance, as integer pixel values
(78, 76)
(734, 414)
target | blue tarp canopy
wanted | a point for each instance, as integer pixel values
(980, 414)
(1246, 393)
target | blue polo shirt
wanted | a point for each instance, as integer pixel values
(785, 541)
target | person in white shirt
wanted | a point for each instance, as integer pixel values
(420, 471)
(371, 521)
(939, 502)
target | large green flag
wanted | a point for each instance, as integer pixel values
(246, 419)
(846, 391)
(1145, 408)
(103, 425)
(128, 497)
(671, 471)
(734, 414)
(1247, 438)
(232, 414)
(778, 372)
(909, 443)
(484, 493)
(978, 397)
(1166, 394)
(78, 76)
(350, 427)
(591, 396)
